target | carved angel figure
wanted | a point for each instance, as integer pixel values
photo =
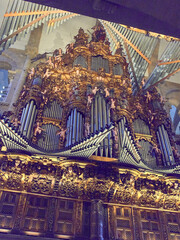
(156, 149)
(62, 133)
(95, 90)
(38, 129)
(49, 62)
(47, 73)
(45, 99)
(106, 92)
(113, 104)
(15, 122)
(31, 73)
(148, 97)
(89, 100)
(151, 115)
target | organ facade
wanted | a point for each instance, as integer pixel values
(83, 157)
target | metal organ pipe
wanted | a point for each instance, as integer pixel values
(171, 156)
(163, 146)
(24, 117)
(29, 115)
(31, 121)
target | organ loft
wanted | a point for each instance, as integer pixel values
(83, 157)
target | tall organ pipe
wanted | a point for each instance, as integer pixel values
(31, 121)
(24, 117)
(29, 115)
(163, 146)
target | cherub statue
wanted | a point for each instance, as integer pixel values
(38, 129)
(156, 149)
(62, 133)
(50, 62)
(31, 73)
(15, 122)
(95, 90)
(89, 100)
(47, 73)
(106, 92)
(112, 104)
(151, 116)
(148, 97)
(45, 99)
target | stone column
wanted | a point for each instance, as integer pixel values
(97, 217)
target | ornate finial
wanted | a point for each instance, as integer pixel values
(99, 33)
(81, 39)
(119, 49)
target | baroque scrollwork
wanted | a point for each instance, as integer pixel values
(91, 181)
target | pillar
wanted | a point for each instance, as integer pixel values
(97, 218)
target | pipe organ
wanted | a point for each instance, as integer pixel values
(86, 158)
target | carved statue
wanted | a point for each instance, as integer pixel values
(112, 104)
(106, 92)
(89, 100)
(62, 133)
(95, 90)
(31, 73)
(47, 74)
(38, 129)
(15, 122)
(148, 97)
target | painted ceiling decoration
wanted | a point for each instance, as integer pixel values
(138, 46)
